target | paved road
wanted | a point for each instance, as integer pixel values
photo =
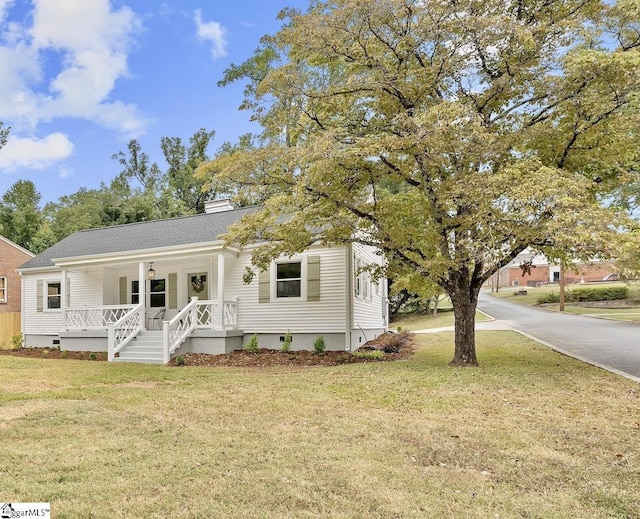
(613, 345)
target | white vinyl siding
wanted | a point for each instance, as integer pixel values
(39, 322)
(368, 306)
(85, 288)
(325, 315)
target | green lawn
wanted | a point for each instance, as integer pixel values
(529, 434)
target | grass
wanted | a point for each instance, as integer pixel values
(529, 434)
(424, 322)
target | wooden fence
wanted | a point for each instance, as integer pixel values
(9, 326)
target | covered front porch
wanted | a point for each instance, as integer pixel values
(160, 301)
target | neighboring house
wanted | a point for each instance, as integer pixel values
(130, 290)
(11, 257)
(542, 272)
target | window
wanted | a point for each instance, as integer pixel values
(135, 292)
(53, 296)
(289, 279)
(157, 293)
(362, 280)
(3, 289)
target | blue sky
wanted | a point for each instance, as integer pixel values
(80, 78)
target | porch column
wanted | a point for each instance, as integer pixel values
(142, 292)
(220, 316)
(64, 296)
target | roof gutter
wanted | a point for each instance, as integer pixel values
(144, 255)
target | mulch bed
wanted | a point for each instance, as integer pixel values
(396, 346)
(53, 353)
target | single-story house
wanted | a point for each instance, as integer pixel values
(11, 257)
(148, 291)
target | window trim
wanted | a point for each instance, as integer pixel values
(163, 292)
(4, 289)
(137, 293)
(277, 280)
(303, 279)
(46, 296)
(362, 283)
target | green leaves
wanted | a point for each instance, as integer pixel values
(450, 134)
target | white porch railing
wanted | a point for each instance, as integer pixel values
(94, 318)
(124, 330)
(178, 329)
(208, 315)
(200, 315)
(124, 322)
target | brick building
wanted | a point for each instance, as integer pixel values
(11, 257)
(542, 272)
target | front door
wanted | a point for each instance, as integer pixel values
(197, 286)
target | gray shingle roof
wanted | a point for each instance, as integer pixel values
(187, 230)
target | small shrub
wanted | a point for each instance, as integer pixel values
(548, 298)
(371, 354)
(319, 347)
(587, 294)
(600, 294)
(17, 341)
(93, 356)
(343, 359)
(399, 328)
(64, 354)
(286, 345)
(252, 345)
(45, 353)
(180, 361)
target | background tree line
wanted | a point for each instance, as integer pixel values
(142, 191)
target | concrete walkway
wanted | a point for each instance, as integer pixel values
(493, 324)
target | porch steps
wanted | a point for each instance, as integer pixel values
(146, 347)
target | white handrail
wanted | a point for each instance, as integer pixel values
(175, 331)
(121, 332)
(94, 317)
(208, 315)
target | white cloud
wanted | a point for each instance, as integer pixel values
(83, 46)
(64, 171)
(32, 153)
(212, 32)
(4, 7)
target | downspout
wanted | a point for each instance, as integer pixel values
(22, 308)
(63, 299)
(349, 297)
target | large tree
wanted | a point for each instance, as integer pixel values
(20, 216)
(183, 160)
(452, 135)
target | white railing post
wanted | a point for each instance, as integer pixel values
(221, 276)
(111, 337)
(166, 356)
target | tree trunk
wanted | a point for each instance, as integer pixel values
(465, 301)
